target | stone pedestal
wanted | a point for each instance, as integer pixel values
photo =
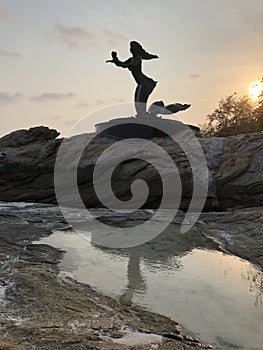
(141, 127)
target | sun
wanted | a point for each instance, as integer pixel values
(255, 89)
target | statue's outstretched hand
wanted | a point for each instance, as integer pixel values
(114, 57)
(114, 54)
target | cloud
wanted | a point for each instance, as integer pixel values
(82, 105)
(9, 54)
(52, 96)
(78, 37)
(113, 37)
(100, 102)
(195, 76)
(55, 117)
(110, 101)
(4, 13)
(118, 100)
(70, 122)
(74, 36)
(7, 97)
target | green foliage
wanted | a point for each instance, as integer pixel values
(235, 115)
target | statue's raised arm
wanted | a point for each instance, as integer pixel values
(119, 63)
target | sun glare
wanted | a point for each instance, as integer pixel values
(255, 89)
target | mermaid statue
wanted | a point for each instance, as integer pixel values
(145, 85)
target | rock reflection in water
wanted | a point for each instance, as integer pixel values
(255, 280)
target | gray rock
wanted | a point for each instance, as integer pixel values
(238, 231)
(239, 175)
(27, 173)
(25, 137)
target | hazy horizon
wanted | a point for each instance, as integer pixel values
(53, 55)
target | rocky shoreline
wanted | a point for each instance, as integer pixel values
(45, 309)
(42, 308)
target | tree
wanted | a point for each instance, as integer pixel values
(235, 115)
(259, 110)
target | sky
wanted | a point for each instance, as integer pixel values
(53, 53)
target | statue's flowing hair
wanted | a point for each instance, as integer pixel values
(140, 50)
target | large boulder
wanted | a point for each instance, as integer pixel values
(27, 173)
(239, 174)
(25, 137)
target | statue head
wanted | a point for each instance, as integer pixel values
(136, 48)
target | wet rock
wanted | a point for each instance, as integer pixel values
(5, 345)
(42, 310)
(46, 308)
(237, 231)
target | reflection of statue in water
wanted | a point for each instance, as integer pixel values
(163, 252)
(136, 281)
(145, 84)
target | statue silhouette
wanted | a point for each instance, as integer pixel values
(134, 64)
(145, 85)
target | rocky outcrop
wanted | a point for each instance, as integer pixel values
(26, 137)
(27, 173)
(238, 231)
(239, 176)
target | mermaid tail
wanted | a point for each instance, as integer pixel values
(158, 107)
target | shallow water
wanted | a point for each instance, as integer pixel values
(216, 296)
